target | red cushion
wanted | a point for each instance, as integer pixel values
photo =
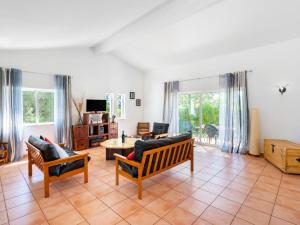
(130, 156)
(46, 139)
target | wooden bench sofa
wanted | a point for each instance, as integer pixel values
(153, 157)
(56, 169)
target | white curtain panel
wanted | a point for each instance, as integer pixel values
(234, 113)
(63, 110)
(11, 112)
(170, 107)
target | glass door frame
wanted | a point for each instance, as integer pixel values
(201, 113)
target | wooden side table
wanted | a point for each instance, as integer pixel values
(3, 152)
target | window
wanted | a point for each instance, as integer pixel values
(38, 106)
(120, 106)
(109, 97)
(199, 112)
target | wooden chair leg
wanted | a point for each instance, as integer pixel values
(46, 182)
(139, 189)
(46, 187)
(117, 172)
(29, 165)
(86, 170)
(192, 159)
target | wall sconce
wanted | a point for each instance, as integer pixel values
(282, 89)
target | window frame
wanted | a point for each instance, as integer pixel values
(123, 111)
(36, 90)
(112, 105)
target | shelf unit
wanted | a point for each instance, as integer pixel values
(91, 134)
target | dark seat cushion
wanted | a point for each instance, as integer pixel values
(71, 165)
(142, 146)
(49, 153)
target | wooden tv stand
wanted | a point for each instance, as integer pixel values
(92, 134)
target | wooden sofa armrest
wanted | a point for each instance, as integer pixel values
(161, 135)
(146, 134)
(124, 159)
(68, 159)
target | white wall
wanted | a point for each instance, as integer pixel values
(272, 65)
(93, 75)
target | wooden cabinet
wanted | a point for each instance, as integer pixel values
(283, 154)
(80, 137)
(90, 135)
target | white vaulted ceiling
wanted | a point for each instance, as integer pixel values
(226, 27)
(149, 34)
(32, 24)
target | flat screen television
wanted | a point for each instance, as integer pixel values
(93, 105)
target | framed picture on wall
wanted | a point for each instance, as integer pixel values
(132, 95)
(138, 102)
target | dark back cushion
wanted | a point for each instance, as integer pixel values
(141, 146)
(160, 128)
(48, 153)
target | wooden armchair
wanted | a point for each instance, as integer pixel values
(143, 128)
(160, 130)
(35, 157)
(3, 152)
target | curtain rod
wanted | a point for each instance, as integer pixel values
(41, 74)
(207, 77)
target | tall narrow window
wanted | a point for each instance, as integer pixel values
(109, 97)
(120, 106)
(38, 106)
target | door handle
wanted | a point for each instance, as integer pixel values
(298, 160)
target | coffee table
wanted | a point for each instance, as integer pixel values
(115, 145)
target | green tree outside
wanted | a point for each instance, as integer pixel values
(192, 105)
(38, 106)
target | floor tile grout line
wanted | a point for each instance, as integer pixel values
(4, 200)
(276, 201)
(276, 198)
(182, 171)
(32, 196)
(218, 195)
(248, 194)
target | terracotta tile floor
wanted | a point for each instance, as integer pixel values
(224, 189)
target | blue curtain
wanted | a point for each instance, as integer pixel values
(11, 112)
(170, 106)
(234, 113)
(63, 109)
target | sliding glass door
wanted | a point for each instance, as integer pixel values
(199, 112)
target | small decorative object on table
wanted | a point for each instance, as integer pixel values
(113, 118)
(132, 95)
(123, 137)
(138, 102)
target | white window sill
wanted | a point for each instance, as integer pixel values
(37, 124)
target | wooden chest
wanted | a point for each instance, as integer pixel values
(283, 154)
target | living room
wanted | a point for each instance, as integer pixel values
(219, 75)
